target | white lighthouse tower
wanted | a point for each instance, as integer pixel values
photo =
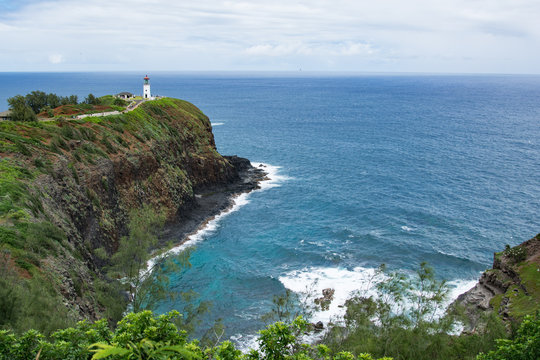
(146, 88)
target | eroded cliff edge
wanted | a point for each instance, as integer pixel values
(66, 188)
(511, 288)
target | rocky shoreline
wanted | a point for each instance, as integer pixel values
(510, 288)
(210, 201)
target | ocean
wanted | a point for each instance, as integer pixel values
(365, 169)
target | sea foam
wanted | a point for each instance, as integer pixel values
(347, 283)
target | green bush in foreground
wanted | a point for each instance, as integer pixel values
(145, 336)
(524, 346)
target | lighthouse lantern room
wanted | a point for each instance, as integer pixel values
(146, 88)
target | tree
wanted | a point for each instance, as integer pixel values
(47, 109)
(53, 100)
(427, 296)
(145, 279)
(36, 100)
(64, 100)
(91, 100)
(130, 262)
(20, 111)
(290, 305)
(524, 346)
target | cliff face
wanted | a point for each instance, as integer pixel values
(511, 288)
(66, 189)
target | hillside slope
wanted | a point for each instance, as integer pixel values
(511, 288)
(65, 192)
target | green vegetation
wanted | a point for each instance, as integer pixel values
(516, 254)
(407, 320)
(20, 110)
(26, 108)
(46, 185)
(110, 100)
(144, 336)
(92, 100)
(286, 307)
(28, 303)
(525, 345)
(521, 297)
(144, 285)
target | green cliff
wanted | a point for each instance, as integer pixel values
(66, 188)
(511, 288)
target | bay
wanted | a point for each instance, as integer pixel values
(393, 169)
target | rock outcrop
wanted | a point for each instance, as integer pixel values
(511, 288)
(326, 299)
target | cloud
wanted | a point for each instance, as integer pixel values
(318, 49)
(356, 49)
(391, 35)
(277, 50)
(56, 58)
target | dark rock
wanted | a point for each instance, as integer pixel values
(326, 299)
(318, 326)
(328, 293)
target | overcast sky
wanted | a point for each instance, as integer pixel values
(469, 36)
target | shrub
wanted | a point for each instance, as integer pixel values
(516, 254)
(524, 346)
(146, 336)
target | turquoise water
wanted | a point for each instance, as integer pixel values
(372, 169)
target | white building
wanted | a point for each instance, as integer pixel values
(5, 115)
(124, 95)
(146, 88)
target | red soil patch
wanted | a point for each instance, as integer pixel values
(11, 266)
(68, 110)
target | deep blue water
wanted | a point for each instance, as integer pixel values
(378, 169)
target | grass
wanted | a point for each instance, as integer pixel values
(521, 300)
(495, 302)
(522, 304)
(530, 275)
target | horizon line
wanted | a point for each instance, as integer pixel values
(288, 72)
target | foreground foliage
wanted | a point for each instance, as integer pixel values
(524, 346)
(145, 336)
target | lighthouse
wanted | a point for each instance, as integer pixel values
(146, 88)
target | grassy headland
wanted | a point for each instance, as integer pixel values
(66, 188)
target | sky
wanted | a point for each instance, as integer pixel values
(433, 36)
